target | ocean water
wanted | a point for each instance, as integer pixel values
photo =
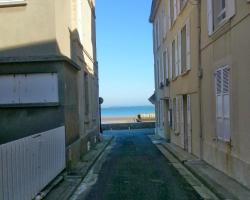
(127, 111)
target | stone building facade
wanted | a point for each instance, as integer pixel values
(201, 53)
(48, 85)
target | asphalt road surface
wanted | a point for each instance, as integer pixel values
(136, 170)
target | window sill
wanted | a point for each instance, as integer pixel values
(183, 7)
(86, 122)
(175, 78)
(216, 139)
(185, 72)
(177, 133)
(12, 4)
(29, 105)
(224, 24)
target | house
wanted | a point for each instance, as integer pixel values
(48, 91)
(176, 56)
(201, 54)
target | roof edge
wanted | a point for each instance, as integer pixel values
(154, 6)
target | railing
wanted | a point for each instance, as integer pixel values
(27, 165)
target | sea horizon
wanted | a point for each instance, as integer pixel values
(126, 111)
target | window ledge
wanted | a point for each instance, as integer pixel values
(12, 4)
(86, 122)
(177, 133)
(28, 105)
(175, 78)
(185, 72)
(216, 139)
(221, 26)
(183, 8)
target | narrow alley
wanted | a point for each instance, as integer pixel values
(135, 169)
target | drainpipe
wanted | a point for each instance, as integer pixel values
(200, 74)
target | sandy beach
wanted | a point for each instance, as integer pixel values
(112, 120)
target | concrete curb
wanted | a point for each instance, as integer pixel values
(203, 181)
(210, 186)
(197, 167)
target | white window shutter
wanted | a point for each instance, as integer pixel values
(156, 74)
(80, 19)
(169, 112)
(179, 52)
(159, 71)
(175, 9)
(182, 119)
(176, 58)
(177, 115)
(230, 8)
(164, 26)
(162, 68)
(173, 113)
(158, 35)
(188, 45)
(226, 103)
(169, 14)
(154, 35)
(167, 64)
(170, 61)
(189, 123)
(219, 104)
(178, 2)
(210, 17)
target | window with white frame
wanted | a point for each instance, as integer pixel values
(161, 72)
(219, 11)
(165, 64)
(164, 23)
(175, 10)
(173, 59)
(79, 14)
(184, 51)
(171, 12)
(177, 107)
(222, 93)
(170, 111)
(176, 58)
(170, 61)
(182, 3)
(156, 74)
(157, 33)
(173, 113)
(176, 114)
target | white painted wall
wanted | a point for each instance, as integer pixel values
(29, 164)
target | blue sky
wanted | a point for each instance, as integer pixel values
(124, 50)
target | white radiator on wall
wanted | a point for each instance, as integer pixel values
(29, 164)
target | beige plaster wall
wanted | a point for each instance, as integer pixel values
(230, 45)
(28, 30)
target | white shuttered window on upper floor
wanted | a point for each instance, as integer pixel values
(222, 93)
(218, 11)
